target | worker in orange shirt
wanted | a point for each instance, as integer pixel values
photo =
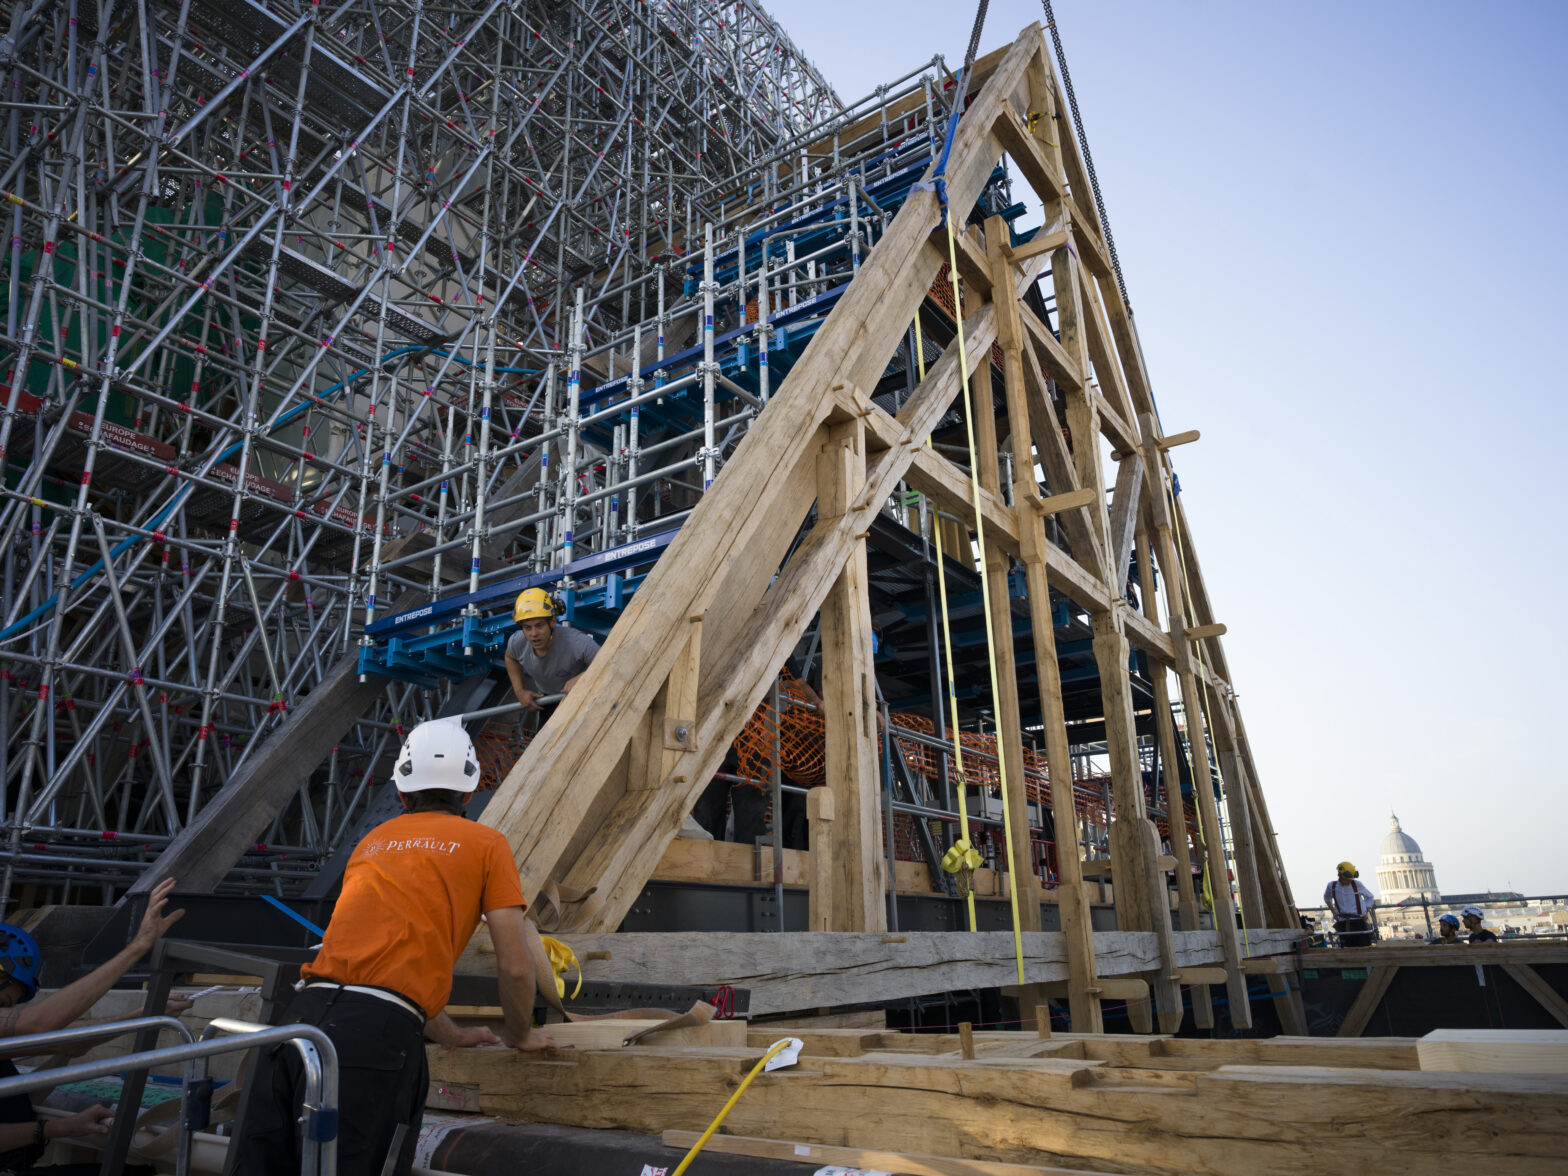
(413, 893)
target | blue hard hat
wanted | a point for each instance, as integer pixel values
(1454, 919)
(20, 959)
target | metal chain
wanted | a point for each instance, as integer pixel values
(1083, 147)
(974, 38)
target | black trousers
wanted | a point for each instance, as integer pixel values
(382, 1081)
(1354, 932)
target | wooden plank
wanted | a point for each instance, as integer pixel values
(1124, 518)
(1106, 988)
(1071, 500)
(858, 1159)
(820, 811)
(1287, 1003)
(1009, 335)
(1033, 164)
(1071, 896)
(1141, 902)
(1367, 1000)
(811, 970)
(1545, 995)
(853, 850)
(1207, 975)
(1508, 951)
(1041, 242)
(1495, 1051)
(1235, 1120)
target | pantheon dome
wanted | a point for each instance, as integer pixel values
(1403, 873)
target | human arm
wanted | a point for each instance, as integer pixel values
(584, 650)
(515, 952)
(59, 1009)
(176, 1006)
(1371, 901)
(94, 1120)
(514, 671)
(442, 1030)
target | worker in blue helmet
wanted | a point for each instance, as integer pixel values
(1447, 930)
(23, 1135)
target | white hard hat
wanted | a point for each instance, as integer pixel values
(1472, 909)
(437, 754)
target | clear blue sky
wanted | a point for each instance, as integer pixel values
(1342, 227)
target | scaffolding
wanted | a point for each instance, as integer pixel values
(328, 333)
(298, 300)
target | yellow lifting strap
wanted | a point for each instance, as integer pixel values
(562, 960)
(969, 859)
(990, 631)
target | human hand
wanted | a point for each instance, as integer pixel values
(468, 1036)
(178, 1005)
(537, 1039)
(529, 699)
(155, 922)
(94, 1120)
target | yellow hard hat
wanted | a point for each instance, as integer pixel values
(1348, 868)
(532, 604)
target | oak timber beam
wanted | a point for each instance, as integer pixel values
(857, 901)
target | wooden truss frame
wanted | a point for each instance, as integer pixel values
(604, 787)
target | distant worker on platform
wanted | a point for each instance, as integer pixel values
(23, 1135)
(1478, 933)
(542, 660)
(1447, 931)
(1350, 904)
(412, 896)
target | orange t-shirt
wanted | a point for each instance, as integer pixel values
(412, 895)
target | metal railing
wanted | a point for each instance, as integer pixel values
(320, 1058)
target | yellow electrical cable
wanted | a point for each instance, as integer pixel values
(985, 598)
(952, 690)
(734, 1098)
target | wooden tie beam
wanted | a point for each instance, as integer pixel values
(1153, 1105)
(603, 789)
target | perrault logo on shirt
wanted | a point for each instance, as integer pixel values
(412, 845)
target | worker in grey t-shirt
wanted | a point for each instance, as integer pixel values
(540, 659)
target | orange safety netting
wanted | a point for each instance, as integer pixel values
(942, 295)
(797, 724)
(499, 745)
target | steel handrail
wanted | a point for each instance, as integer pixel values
(319, 1055)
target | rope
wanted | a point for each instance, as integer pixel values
(1083, 149)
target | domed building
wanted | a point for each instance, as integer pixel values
(1403, 873)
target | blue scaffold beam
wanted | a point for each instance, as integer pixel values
(600, 563)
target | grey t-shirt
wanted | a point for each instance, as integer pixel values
(569, 654)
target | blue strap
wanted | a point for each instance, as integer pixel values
(295, 915)
(939, 176)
